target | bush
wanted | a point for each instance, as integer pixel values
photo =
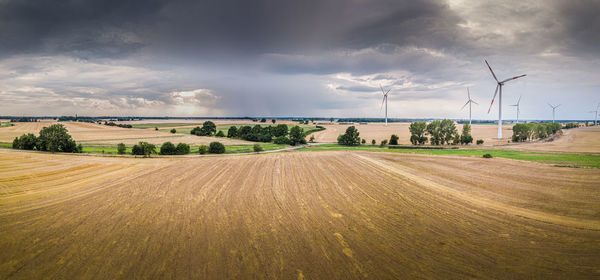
(207, 129)
(168, 148)
(273, 121)
(25, 142)
(487, 156)
(263, 120)
(55, 138)
(479, 141)
(203, 149)
(280, 130)
(394, 139)
(383, 142)
(156, 128)
(121, 149)
(232, 131)
(143, 149)
(257, 148)
(571, 125)
(216, 148)
(182, 149)
(466, 137)
(281, 140)
(363, 141)
(297, 136)
(173, 130)
(220, 134)
(350, 138)
(312, 139)
(373, 142)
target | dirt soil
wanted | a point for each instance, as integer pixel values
(296, 215)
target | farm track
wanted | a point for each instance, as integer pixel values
(317, 215)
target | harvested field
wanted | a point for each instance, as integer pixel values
(576, 140)
(317, 215)
(379, 131)
(102, 134)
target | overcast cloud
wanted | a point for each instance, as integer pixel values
(296, 58)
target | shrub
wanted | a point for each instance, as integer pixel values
(121, 149)
(216, 148)
(203, 149)
(373, 142)
(383, 142)
(281, 140)
(25, 142)
(173, 130)
(394, 139)
(257, 148)
(312, 139)
(297, 136)
(263, 120)
(168, 148)
(143, 149)
(350, 138)
(273, 121)
(487, 156)
(363, 141)
(280, 130)
(232, 131)
(182, 149)
(220, 134)
(207, 129)
(156, 128)
(479, 141)
(55, 138)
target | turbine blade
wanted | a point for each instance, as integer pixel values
(474, 102)
(488, 65)
(468, 93)
(519, 99)
(513, 78)
(495, 92)
(382, 91)
(382, 101)
(465, 105)
(550, 105)
(386, 94)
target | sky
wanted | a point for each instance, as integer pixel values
(311, 58)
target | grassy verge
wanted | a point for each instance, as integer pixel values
(6, 124)
(559, 159)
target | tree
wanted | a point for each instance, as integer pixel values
(363, 141)
(173, 130)
(55, 138)
(216, 148)
(330, 119)
(25, 142)
(280, 130)
(373, 142)
(121, 148)
(281, 140)
(168, 148)
(466, 137)
(523, 131)
(220, 134)
(232, 131)
(273, 121)
(312, 139)
(203, 149)
(350, 138)
(417, 133)
(182, 149)
(394, 139)
(383, 142)
(263, 120)
(143, 149)
(297, 136)
(479, 141)
(208, 128)
(434, 131)
(156, 128)
(244, 131)
(257, 148)
(448, 130)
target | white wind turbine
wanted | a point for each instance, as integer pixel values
(499, 86)
(518, 108)
(385, 99)
(553, 110)
(595, 114)
(469, 102)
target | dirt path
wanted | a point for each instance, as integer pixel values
(317, 215)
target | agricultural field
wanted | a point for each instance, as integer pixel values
(577, 140)
(379, 131)
(305, 215)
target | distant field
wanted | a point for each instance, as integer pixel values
(311, 215)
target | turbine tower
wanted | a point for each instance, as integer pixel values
(596, 114)
(499, 86)
(518, 108)
(470, 101)
(553, 110)
(385, 98)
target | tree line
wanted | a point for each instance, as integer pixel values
(278, 134)
(529, 131)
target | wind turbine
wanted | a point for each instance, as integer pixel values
(553, 110)
(499, 86)
(469, 102)
(518, 110)
(385, 98)
(595, 114)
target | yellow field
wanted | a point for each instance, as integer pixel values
(297, 215)
(579, 140)
(379, 131)
(102, 134)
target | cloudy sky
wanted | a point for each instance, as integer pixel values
(297, 58)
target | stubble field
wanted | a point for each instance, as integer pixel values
(297, 215)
